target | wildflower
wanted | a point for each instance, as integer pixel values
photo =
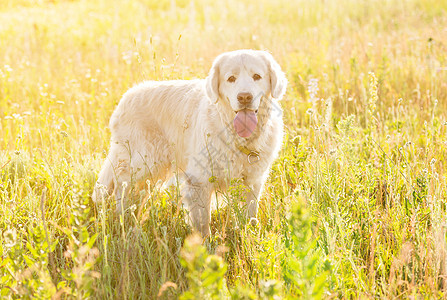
(10, 237)
(8, 68)
(373, 95)
(313, 89)
(127, 57)
(328, 116)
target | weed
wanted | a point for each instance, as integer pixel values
(355, 203)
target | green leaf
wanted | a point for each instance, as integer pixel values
(92, 240)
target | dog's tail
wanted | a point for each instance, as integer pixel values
(104, 185)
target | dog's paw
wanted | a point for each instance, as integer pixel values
(100, 193)
(253, 222)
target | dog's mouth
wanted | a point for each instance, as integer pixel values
(245, 122)
(236, 111)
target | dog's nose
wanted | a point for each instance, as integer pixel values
(244, 98)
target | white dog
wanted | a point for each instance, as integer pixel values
(226, 126)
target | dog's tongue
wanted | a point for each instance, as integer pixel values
(245, 123)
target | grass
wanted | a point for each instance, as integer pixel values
(355, 204)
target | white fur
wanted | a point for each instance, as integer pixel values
(159, 128)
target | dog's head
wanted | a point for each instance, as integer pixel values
(242, 79)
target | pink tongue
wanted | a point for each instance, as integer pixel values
(245, 123)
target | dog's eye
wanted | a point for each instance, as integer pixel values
(231, 79)
(256, 77)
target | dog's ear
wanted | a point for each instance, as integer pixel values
(278, 81)
(212, 81)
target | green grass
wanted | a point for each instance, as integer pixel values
(355, 206)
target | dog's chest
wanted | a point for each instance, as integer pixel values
(233, 161)
(229, 157)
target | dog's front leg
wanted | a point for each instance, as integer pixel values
(197, 199)
(252, 194)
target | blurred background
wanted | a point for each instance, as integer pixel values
(364, 157)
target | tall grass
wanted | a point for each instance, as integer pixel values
(355, 204)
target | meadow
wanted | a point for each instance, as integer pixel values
(355, 206)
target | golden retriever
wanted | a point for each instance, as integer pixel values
(212, 130)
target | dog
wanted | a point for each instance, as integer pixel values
(228, 125)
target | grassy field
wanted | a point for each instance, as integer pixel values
(356, 203)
